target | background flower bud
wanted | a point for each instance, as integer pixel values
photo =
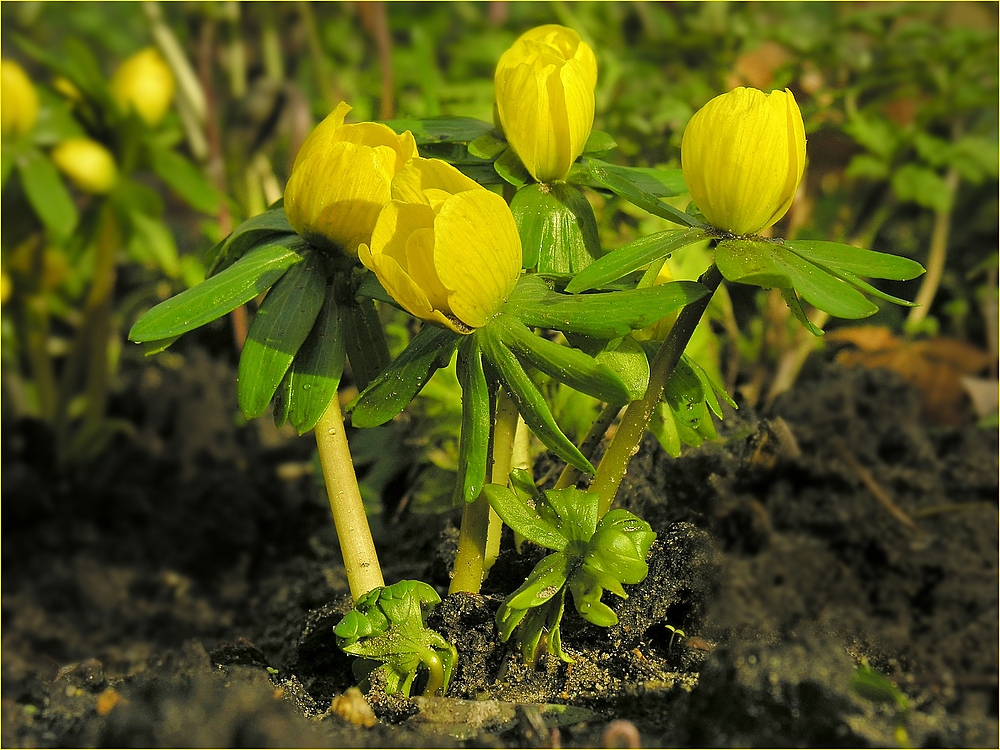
(446, 248)
(743, 155)
(19, 108)
(144, 83)
(545, 99)
(342, 179)
(87, 163)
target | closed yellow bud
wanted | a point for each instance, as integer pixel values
(87, 163)
(743, 155)
(545, 99)
(341, 180)
(144, 83)
(445, 248)
(19, 105)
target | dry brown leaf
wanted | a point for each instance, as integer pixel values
(936, 366)
(757, 67)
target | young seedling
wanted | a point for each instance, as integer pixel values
(591, 554)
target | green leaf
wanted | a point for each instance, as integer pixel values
(397, 385)
(923, 186)
(510, 168)
(46, 193)
(769, 265)
(571, 366)
(7, 164)
(792, 300)
(599, 143)
(366, 346)
(575, 512)
(219, 295)
(152, 243)
(315, 372)
(530, 403)
(630, 363)
(544, 582)
(252, 232)
(184, 178)
(625, 186)
(867, 166)
(855, 260)
(473, 446)
(442, 129)
(279, 329)
(523, 519)
(633, 256)
(663, 427)
(607, 315)
(487, 147)
(662, 183)
(557, 227)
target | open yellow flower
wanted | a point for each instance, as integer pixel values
(342, 179)
(743, 155)
(445, 248)
(545, 99)
(144, 83)
(89, 165)
(20, 101)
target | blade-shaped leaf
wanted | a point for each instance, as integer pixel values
(396, 386)
(855, 260)
(523, 519)
(315, 372)
(792, 300)
(662, 183)
(367, 349)
(577, 511)
(442, 129)
(46, 193)
(633, 256)
(622, 185)
(219, 295)
(246, 236)
(544, 582)
(630, 363)
(571, 366)
(279, 328)
(557, 227)
(606, 315)
(599, 143)
(510, 168)
(530, 403)
(473, 446)
(184, 178)
(770, 265)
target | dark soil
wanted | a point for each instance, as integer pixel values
(182, 591)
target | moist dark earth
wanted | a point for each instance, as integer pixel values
(182, 590)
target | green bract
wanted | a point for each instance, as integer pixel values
(387, 627)
(591, 555)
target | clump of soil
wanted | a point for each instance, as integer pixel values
(183, 590)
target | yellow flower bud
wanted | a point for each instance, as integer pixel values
(19, 107)
(87, 163)
(144, 83)
(446, 248)
(67, 88)
(545, 99)
(341, 180)
(743, 155)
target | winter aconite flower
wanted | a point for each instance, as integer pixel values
(144, 83)
(743, 155)
(19, 108)
(341, 180)
(87, 163)
(446, 248)
(545, 99)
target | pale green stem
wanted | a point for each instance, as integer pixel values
(570, 473)
(349, 517)
(474, 549)
(628, 436)
(435, 670)
(937, 257)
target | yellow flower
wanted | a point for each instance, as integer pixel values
(545, 99)
(446, 248)
(19, 108)
(87, 163)
(341, 180)
(144, 83)
(743, 155)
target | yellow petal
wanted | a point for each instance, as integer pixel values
(419, 175)
(323, 135)
(477, 254)
(20, 100)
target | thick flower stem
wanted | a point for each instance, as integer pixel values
(625, 443)
(475, 553)
(349, 518)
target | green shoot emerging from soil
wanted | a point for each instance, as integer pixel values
(592, 554)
